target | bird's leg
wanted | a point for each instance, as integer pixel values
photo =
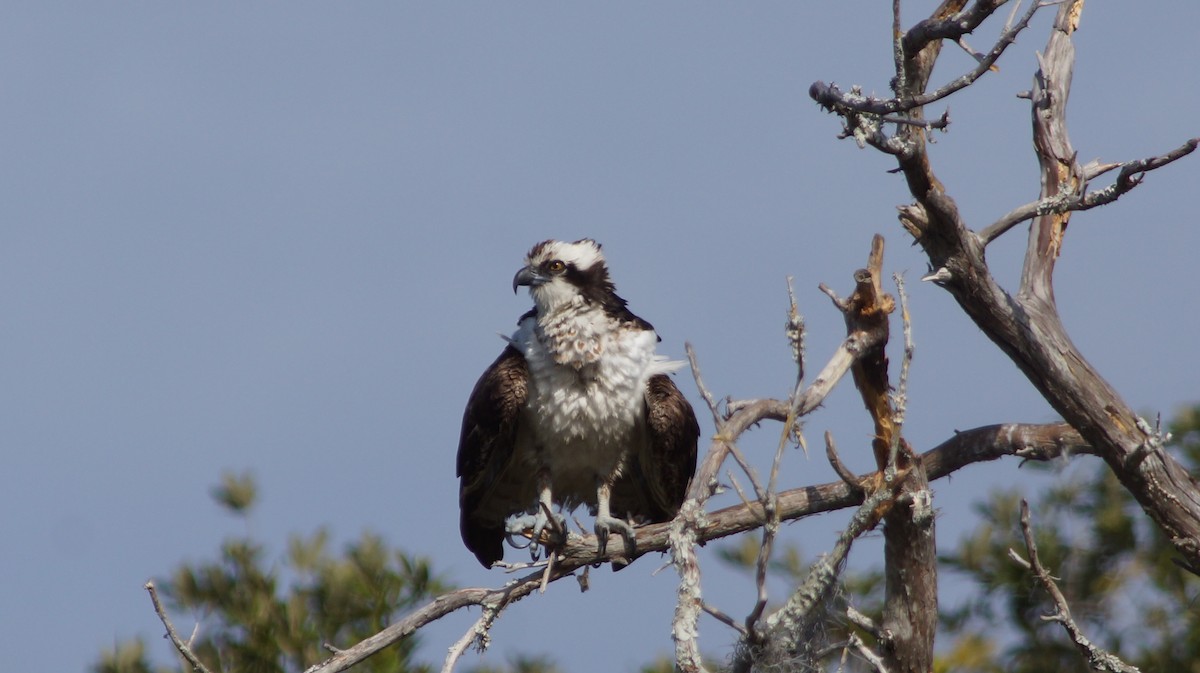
(543, 527)
(546, 519)
(606, 522)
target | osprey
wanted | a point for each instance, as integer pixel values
(577, 410)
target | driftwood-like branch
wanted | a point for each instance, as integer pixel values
(1097, 658)
(910, 592)
(1030, 441)
(783, 634)
(943, 25)
(1131, 175)
(1027, 327)
(777, 638)
(184, 648)
(686, 531)
(910, 609)
(1061, 175)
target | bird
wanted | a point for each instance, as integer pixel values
(578, 409)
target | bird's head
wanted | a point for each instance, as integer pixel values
(559, 274)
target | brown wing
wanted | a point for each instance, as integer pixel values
(668, 459)
(485, 449)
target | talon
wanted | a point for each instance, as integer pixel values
(517, 531)
(605, 526)
(543, 530)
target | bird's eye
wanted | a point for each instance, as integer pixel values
(556, 266)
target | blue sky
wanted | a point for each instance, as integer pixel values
(281, 239)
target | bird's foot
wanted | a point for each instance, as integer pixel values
(605, 525)
(545, 529)
(518, 531)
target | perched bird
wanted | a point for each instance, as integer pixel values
(577, 410)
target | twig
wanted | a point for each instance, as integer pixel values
(439, 607)
(781, 629)
(850, 350)
(684, 532)
(691, 522)
(834, 99)
(900, 397)
(1038, 442)
(704, 392)
(460, 646)
(1034, 442)
(519, 566)
(765, 548)
(548, 572)
(725, 619)
(184, 648)
(867, 653)
(864, 622)
(742, 495)
(1129, 177)
(748, 469)
(1097, 658)
(794, 331)
(839, 467)
(795, 335)
(897, 48)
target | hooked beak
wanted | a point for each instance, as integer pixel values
(527, 276)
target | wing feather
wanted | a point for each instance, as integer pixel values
(485, 449)
(668, 460)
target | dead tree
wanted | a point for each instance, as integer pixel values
(1025, 325)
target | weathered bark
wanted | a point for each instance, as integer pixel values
(910, 552)
(1027, 326)
(1167, 493)
(1043, 442)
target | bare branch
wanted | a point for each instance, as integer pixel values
(778, 637)
(723, 618)
(749, 470)
(900, 397)
(746, 414)
(184, 648)
(1131, 175)
(865, 652)
(493, 599)
(984, 62)
(1061, 175)
(1098, 659)
(949, 24)
(684, 533)
(742, 494)
(1027, 327)
(477, 633)
(853, 102)
(848, 477)
(897, 47)
(864, 622)
(704, 392)
(795, 333)
(1034, 442)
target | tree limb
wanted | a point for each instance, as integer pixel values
(1131, 175)
(924, 34)
(1030, 441)
(1027, 327)
(1061, 175)
(184, 649)
(1098, 659)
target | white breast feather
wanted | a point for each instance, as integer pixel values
(587, 397)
